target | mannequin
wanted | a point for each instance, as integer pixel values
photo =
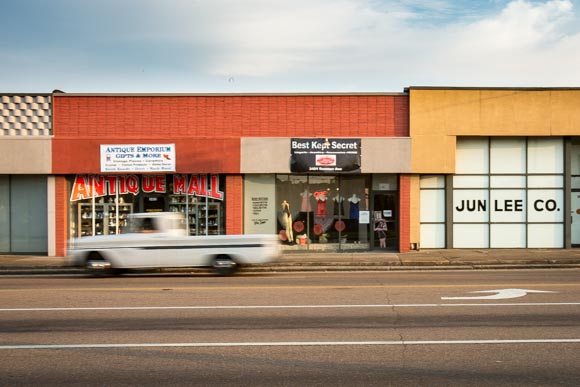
(287, 220)
(354, 210)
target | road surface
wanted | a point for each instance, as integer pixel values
(481, 328)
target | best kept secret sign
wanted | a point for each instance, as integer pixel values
(326, 155)
(138, 158)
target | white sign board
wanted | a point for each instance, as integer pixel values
(364, 217)
(138, 158)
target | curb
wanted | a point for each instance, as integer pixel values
(320, 267)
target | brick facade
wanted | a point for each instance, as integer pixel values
(234, 204)
(207, 131)
(405, 213)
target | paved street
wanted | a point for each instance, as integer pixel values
(512, 327)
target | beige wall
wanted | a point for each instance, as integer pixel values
(378, 155)
(386, 155)
(437, 116)
(25, 156)
(265, 155)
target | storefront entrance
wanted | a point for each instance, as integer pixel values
(575, 216)
(385, 222)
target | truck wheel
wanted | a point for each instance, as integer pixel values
(96, 265)
(223, 265)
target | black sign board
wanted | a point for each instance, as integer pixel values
(325, 155)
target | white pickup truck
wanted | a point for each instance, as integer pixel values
(160, 240)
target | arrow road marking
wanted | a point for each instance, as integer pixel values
(500, 294)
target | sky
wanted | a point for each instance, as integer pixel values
(281, 46)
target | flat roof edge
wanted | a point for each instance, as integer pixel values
(490, 88)
(354, 94)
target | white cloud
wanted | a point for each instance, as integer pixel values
(299, 45)
(388, 39)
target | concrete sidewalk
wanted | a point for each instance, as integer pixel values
(445, 259)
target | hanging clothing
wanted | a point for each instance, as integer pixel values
(338, 206)
(321, 206)
(321, 198)
(353, 213)
(354, 209)
(306, 206)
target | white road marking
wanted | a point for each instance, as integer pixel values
(286, 306)
(501, 294)
(291, 344)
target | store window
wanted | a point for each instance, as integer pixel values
(432, 201)
(100, 204)
(322, 212)
(508, 193)
(575, 192)
(23, 214)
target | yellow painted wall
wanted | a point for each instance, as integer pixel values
(438, 116)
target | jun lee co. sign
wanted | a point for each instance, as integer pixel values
(138, 158)
(325, 155)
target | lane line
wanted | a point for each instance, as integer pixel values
(292, 287)
(291, 344)
(339, 306)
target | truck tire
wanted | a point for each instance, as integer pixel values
(224, 265)
(96, 265)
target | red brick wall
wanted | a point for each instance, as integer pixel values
(61, 218)
(207, 129)
(405, 213)
(170, 117)
(234, 204)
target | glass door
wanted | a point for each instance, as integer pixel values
(385, 221)
(575, 216)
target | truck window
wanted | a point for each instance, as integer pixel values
(147, 225)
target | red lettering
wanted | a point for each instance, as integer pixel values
(80, 190)
(122, 185)
(132, 184)
(148, 183)
(194, 186)
(160, 183)
(203, 183)
(98, 185)
(215, 188)
(178, 184)
(112, 184)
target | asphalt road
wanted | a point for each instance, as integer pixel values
(403, 328)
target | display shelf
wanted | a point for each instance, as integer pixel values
(104, 218)
(209, 219)
(196, 214)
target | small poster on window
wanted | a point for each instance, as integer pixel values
(364, 217)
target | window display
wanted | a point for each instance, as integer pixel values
(322, 212)
(100, 204)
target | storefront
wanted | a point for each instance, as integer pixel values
(228, 163)
(26, 185)
(325, 212)
(507, 192)
(100, 204)
(496, 168)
